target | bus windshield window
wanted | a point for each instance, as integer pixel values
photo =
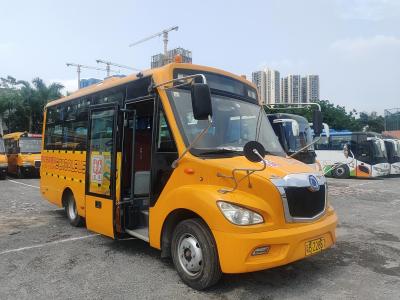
(378, 149)
(235, 123)
(396, 148)
(30, 145)
(2, 149)
(305, 137)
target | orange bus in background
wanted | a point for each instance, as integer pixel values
(184, 158)
(23, 153)
(3, 160)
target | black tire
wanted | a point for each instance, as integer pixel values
(209, 269)
(72, 212)
(20, 173)
(341, 172)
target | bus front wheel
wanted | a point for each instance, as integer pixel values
(342, 172)
(194, 254)
(72, 212)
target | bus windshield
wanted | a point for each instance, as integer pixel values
(236, 122)
(378, 148)
(305, 137)
(393, 151)
(30, 145)
(2, 149)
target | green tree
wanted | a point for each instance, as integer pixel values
(335, 116)
(372, 122)
(22, 103)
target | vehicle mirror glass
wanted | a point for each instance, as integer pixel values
(295, 128)
(326, 130)
(254, 151)
(317, 122)
(201, 101)
(346, 151)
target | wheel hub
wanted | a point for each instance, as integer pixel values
(190, 254)
(72, 209)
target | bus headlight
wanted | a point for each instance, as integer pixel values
(239, 215)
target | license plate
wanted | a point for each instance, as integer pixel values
(314, 246)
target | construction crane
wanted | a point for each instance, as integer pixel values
(163, 33)
(109, 63)
(79, 67)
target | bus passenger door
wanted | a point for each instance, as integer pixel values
(100, 169)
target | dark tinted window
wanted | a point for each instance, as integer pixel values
(165, 141)
(221, 83)
(138, 88)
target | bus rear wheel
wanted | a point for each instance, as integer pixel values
(194, 254)
(72, 212)
(342, 172)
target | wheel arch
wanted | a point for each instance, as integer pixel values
(67, 192)
(171, 221)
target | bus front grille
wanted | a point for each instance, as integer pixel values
(303, 203)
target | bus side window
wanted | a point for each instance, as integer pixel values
(53, 129)
(165, 142)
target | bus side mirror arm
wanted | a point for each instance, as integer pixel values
(197, 138)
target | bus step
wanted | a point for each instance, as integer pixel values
(141, 233)
(144, 218)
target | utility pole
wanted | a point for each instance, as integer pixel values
(79, 67)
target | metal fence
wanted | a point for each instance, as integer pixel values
(392, 119)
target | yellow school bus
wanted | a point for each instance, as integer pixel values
(23, 153)
(184, 158)
(3, 160)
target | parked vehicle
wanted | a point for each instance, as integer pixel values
(393, 154)
(368, 158)
(184, 158)
(3, 160)
(296, 136)
(23, 153)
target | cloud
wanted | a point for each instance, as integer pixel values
(363, 47)
(70, 85)
(368, 10)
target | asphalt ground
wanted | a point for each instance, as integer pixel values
(42, 256)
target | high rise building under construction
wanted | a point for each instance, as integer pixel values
(159, 60)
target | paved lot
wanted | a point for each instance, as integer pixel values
(42, 256)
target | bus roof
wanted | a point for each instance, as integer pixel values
(164, 73)
(19, 134)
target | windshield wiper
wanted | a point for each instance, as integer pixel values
(219, 151)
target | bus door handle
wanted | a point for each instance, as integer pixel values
(97, 204)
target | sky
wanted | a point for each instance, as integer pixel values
(354, 45)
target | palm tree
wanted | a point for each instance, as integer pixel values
(25, 102)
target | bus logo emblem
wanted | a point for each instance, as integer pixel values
(314, 185)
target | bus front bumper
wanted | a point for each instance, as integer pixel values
(285, 245)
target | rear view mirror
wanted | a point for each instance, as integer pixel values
(346, 151)
(294, 124)
(254, 151)
(326, 129)
(201, 101)
(317, 122)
